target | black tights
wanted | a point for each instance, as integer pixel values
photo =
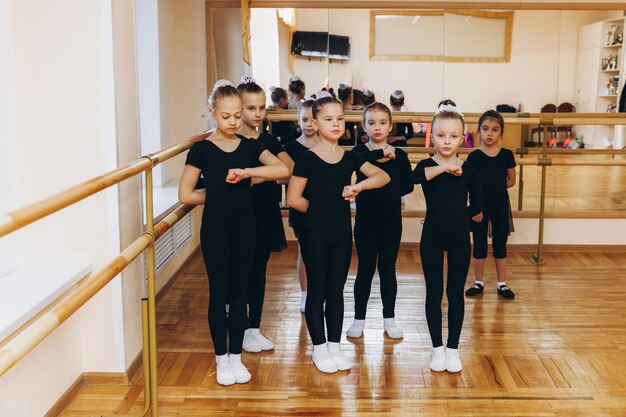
(228, 258)
(431, 252)
(376, 242)
(327, 261)
(256, 286)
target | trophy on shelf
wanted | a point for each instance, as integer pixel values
(612, 34)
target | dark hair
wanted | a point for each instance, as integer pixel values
(397, 98)
(221, 92)
(447, 115)
(357, 97)
(278, 94)
(368, 97)
(306, 104)
(343, 92)
(317, 106)
(376, 106)
(331, 91)
(491, 115)
(296, 86)
(252, 88)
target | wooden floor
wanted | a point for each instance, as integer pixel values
(558, 349)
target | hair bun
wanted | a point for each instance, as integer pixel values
(368, 93)
(246, 79)
(221, 83)
(397, 94)
(294, 78)
(448, 108)
(272, 89)
(342, 86)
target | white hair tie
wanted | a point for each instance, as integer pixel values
(321, 94)
(221, 83)
(272, 89)
(246, 79)
(397, 94)
(294, 78)
(448, 108)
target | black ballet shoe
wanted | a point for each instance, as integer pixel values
(506, 292)
(475, 290)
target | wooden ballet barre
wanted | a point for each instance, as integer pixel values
(19, 344)
(14, 220)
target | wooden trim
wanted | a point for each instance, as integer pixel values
(67, 397)
(547, 248)
(521, 5)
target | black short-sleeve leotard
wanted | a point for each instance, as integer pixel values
(295, 150)
(493, 173)
(328, 212)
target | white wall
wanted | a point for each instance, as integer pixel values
(264, 48)
(65, 133)
(542, 67)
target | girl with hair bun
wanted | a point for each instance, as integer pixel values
(227, 234)
(402, 132)
(447, 182)
(285, 131)
(270, 234)
(297, 91)
(321, 188)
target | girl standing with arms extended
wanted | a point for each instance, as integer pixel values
(227, 234)
(378, 223)
(270, 234)
(496, 167)
(446, 182)
(321, 187)
(296, 149)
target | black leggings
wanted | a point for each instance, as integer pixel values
(227, 258)
(376, 241)
(256, 286)
(431, 252)
(498, 240)
(327, 261)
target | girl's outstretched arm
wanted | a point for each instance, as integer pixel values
(376, 178)
(272, 169)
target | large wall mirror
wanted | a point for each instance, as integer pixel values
(452, 36)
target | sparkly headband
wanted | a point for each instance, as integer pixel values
(448, 108)
(221, 83)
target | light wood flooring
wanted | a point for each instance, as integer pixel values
(558, 349)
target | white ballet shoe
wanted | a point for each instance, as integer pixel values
(438, 361)
(242, 375)
(250, 343)
(453, 361)
(340, 360)
(303, 302)
(322, 359)
(392, 329)
(261, 340)
(225, 374)
(356, 328)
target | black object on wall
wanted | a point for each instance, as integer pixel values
(320, 44)
(339, 47)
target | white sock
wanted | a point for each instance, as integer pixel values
(322, 359)
(438, 361)
(242, 375)
(392, 329)
(479, 282)
(250, 343)
(262, 341)
(500, 283)
(340, 360)
(356, 328)
(225, 374)
(303, 301)
(453, 362)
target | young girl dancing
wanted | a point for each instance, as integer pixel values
(446, 182)
(296, 149)
(378, 223)
(227, 233)
(496, 168)
(321, 188)
(270, 234)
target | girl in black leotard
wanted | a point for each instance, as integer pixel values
(496, 167)
(321, 188)
(270, 234)
(446, 182)
(295, 149)
(227, 234)
(378, 223)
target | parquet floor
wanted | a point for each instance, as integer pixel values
(558, 349)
